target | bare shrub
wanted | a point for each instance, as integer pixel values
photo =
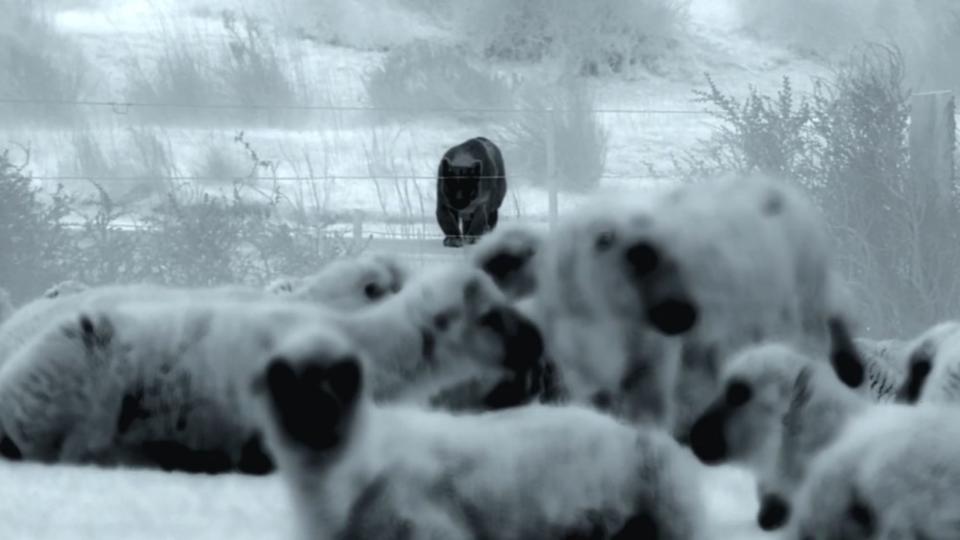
(616, 36)
(36, 248)
(897, 240)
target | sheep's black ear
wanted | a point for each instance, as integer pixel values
(919, 366)
(96, 332)
(860, 514)
(844, 354)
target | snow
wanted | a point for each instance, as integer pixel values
(346, 147)
(50, 502)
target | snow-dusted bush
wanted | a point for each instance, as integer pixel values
(427, 78)
(579, 140)
(613, 36)
(32, 240)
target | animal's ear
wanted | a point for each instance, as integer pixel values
(444, 167)
(919, 366)
(844, 354)
(799, 397)
(95, 330)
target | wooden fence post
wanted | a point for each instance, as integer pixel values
(357, 228)
(932, 139)
(552, 180)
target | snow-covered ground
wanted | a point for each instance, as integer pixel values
(39, 502)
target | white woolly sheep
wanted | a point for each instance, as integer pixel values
(362, 471)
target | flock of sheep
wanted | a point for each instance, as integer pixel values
(556, 385)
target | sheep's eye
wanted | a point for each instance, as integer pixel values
(442, 321)
(738, 393)
(605, 240)
(373, 291)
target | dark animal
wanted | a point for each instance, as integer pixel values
(471, 185)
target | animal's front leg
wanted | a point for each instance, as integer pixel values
(449, 224)
(476, 224)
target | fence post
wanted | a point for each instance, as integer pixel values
(551, 142)
(932, 138)
(357, 228)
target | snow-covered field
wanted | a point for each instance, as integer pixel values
(355, 158)
(39, 502)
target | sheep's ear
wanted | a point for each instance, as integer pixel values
(96, 331)
(919, 366)
(845, 357)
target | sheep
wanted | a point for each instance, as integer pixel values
(347, 284)
(164, 362)
(360, 470)
(891, 474)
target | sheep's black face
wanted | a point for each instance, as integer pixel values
(314, 401)
(708, 438)
(523, 357)
(668, 305)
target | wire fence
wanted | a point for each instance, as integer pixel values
(121, 106)
(399, 225)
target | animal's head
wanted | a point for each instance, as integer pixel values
(743, 423)
(350, 284)
(45, 389)
(312, 389)
(612, 254)
(508, 255)
(464, 317)
(889, 474)
(820, 407)
(461, 181)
